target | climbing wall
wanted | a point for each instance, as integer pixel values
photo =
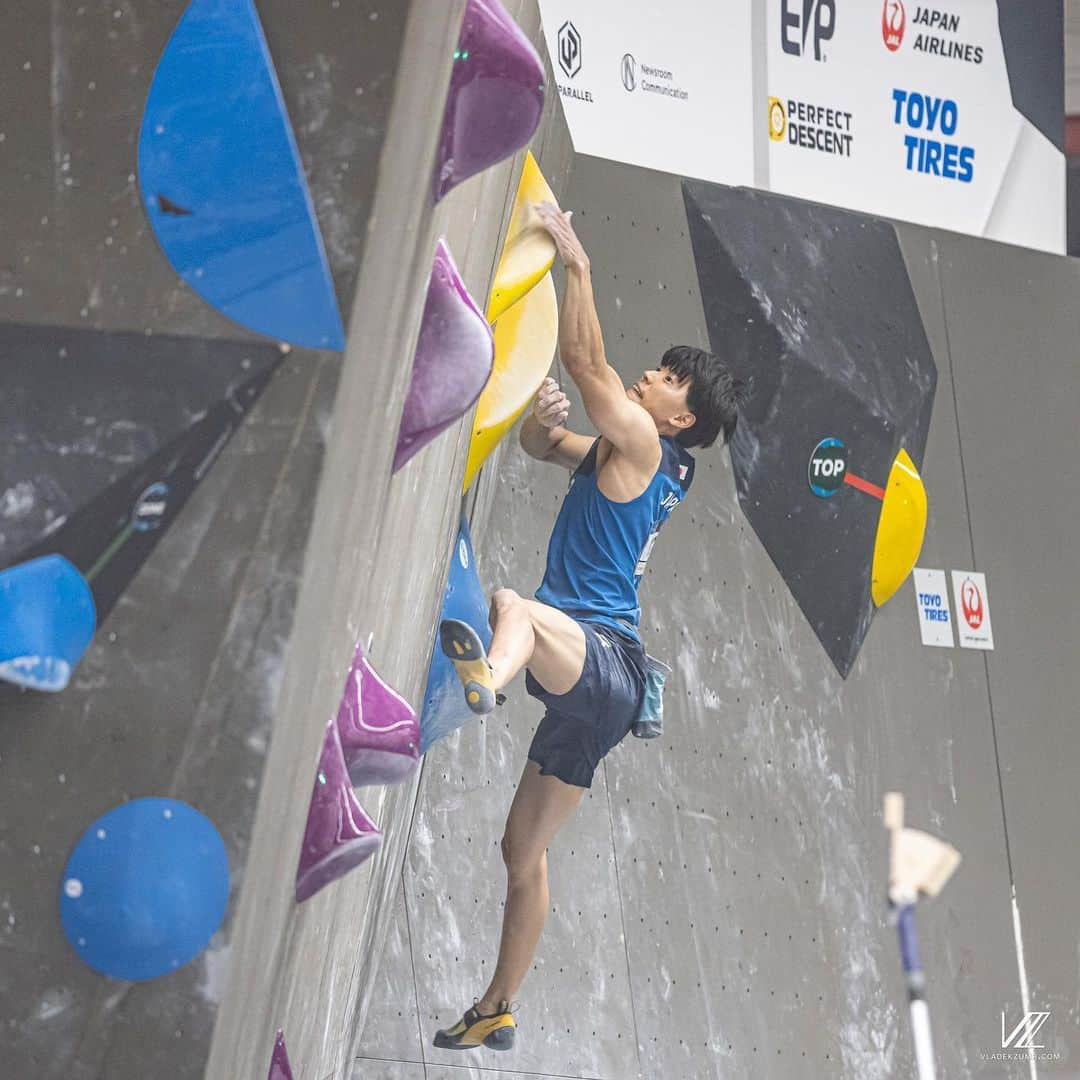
(175, 695)
(718, 902)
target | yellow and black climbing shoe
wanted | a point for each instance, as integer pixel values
(496, 1032)
(461, 643)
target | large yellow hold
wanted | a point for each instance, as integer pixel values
(525, 314)
(525, 338)
(528, 251)
(901, 529)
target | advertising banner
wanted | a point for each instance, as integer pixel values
(906, 110)
(972, 610)
(932, 602)
(669, 90)
(947, 116)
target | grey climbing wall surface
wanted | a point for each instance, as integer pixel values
(311, 968)
(176, 694)
(718, 902)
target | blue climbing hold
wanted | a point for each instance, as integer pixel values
(47, 619)
(223, 183)
(144, 889)
(445, 709)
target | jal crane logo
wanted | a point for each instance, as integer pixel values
(971, 603)
(893, 24)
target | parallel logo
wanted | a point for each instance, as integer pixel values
(569, 49)
(806, 21)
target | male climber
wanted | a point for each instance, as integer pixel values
(579, 638)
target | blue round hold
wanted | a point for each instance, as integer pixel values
(144, 889)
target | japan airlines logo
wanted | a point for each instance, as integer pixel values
(569, 49)
(971, 601)
(893, 24)
(1023, 1035)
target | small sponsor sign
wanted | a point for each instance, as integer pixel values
(932, 600)
(972, 610)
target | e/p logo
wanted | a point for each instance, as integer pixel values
(818, 16)
(893, 24)
(827, 468)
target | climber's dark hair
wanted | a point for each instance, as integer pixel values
(715, 395)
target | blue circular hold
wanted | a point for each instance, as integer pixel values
(144, 889)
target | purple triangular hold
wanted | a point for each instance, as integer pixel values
(496, 95)
(339, 835)
(280, 1069)
(454, 355)
(378, 729)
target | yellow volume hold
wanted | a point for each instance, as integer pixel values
(901, 529)
(525, 339)
(528, 251)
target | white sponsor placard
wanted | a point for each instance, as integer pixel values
(904, 109)
(666, 88)
(932, 603)
(972, 610)
(891, 107)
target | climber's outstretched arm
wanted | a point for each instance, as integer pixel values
(623, 422)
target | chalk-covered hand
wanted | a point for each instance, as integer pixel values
(566, 240)
(551, 406)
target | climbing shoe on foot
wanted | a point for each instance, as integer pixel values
(496, 1032)
(461, 643)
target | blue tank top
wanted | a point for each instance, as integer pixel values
(598, 549)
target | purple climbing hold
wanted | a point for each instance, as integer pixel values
(496, 95)
(379, 731)
(339, 835)
(280, 1069)
(454, 355)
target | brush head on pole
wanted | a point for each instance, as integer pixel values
(919, 864)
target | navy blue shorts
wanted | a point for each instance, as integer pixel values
(596, 714)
